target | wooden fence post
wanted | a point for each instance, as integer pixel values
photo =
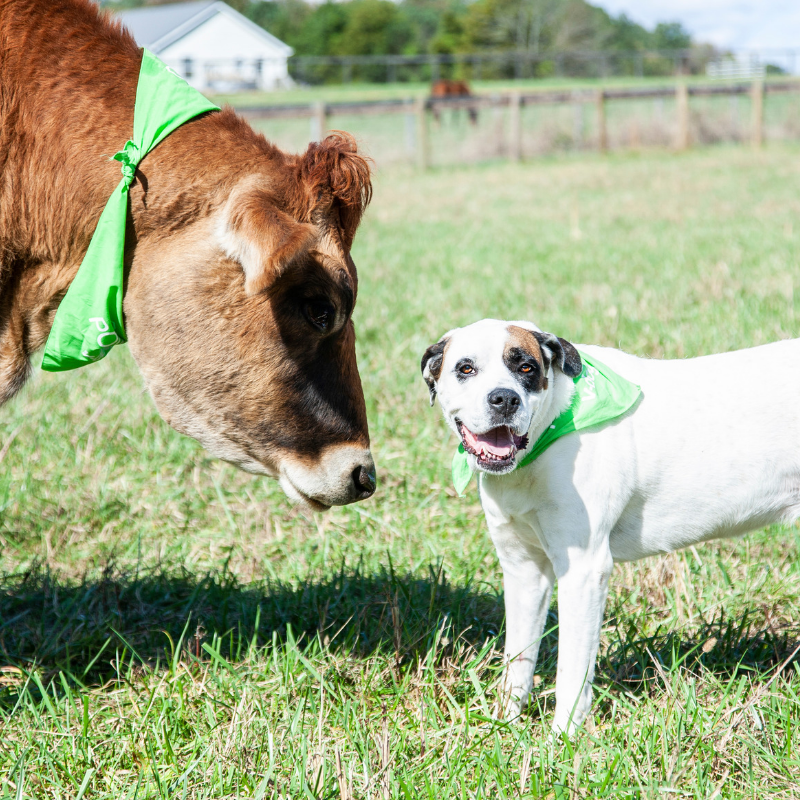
(319, 122)
(682, 101)
(602, 130)
(757, 97)
(423, 138)
(515, 126)
(577, 123)
(411, 131)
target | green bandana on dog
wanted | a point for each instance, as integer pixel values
(600, 396)
(88, 322)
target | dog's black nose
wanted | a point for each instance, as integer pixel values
(504, 401)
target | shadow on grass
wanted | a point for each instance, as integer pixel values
(724, 647)
(78, 628)
(63, 626)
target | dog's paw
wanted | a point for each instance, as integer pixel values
(565, 728)
(508, 708)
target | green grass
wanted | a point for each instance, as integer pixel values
(170, 627)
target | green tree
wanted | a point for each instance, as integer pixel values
(286, 19)
(449, 36)
(373, 27)
(627, 35)
(671, 36)
(323, 27)
(382, 27)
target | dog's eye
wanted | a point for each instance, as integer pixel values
(526, 368)
(466, 369)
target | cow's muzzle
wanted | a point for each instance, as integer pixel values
(342, 475)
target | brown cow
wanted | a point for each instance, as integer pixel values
(240, 285)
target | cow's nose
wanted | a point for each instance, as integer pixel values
(364, 481)
(504, 401)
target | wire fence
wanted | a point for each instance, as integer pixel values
(524, 65)
(237, 74)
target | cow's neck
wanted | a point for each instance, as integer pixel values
(55, 170)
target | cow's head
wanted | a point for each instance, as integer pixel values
(241, 324)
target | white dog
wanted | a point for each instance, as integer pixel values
(709, 448)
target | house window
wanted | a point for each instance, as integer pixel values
(188, 68)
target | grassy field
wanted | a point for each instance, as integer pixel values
(171, 628)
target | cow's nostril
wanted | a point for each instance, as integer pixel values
(365, 482)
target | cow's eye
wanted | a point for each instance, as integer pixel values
(526, 368)
(320, 314)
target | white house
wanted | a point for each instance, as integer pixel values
(214, 47)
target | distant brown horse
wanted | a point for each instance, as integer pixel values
(449, 88)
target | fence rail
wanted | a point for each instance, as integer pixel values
(418, 111)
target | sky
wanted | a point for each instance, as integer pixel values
(730, 24)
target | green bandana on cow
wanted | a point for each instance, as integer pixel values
(600, 396)
(88, 322)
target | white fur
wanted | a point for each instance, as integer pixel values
(711, 450)
(238, 247)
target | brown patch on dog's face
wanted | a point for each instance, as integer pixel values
(524, 358)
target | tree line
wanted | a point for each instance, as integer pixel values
(413, 27)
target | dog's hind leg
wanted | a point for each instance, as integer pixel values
(528, 586)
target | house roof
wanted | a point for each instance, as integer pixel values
(157, 27)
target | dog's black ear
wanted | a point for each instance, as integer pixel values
(432, 365)
(562, 352)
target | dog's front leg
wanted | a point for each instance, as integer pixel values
(582, 592)
(528, 586)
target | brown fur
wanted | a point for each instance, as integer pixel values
(431, 365)
(522, 345)
(449, 88)
(241, 363)
(524, 340)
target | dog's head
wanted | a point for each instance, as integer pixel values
(494, 380)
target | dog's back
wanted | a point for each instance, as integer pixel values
(714, 446)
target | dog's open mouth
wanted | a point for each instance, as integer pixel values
(494, 449)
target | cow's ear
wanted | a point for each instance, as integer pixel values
(432, 365)
(335, 174)
(562, 353)
(261, 237)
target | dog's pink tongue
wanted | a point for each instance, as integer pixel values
(498, 441)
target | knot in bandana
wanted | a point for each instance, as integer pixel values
(601, 396)
(89, 320)
(129, 157)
